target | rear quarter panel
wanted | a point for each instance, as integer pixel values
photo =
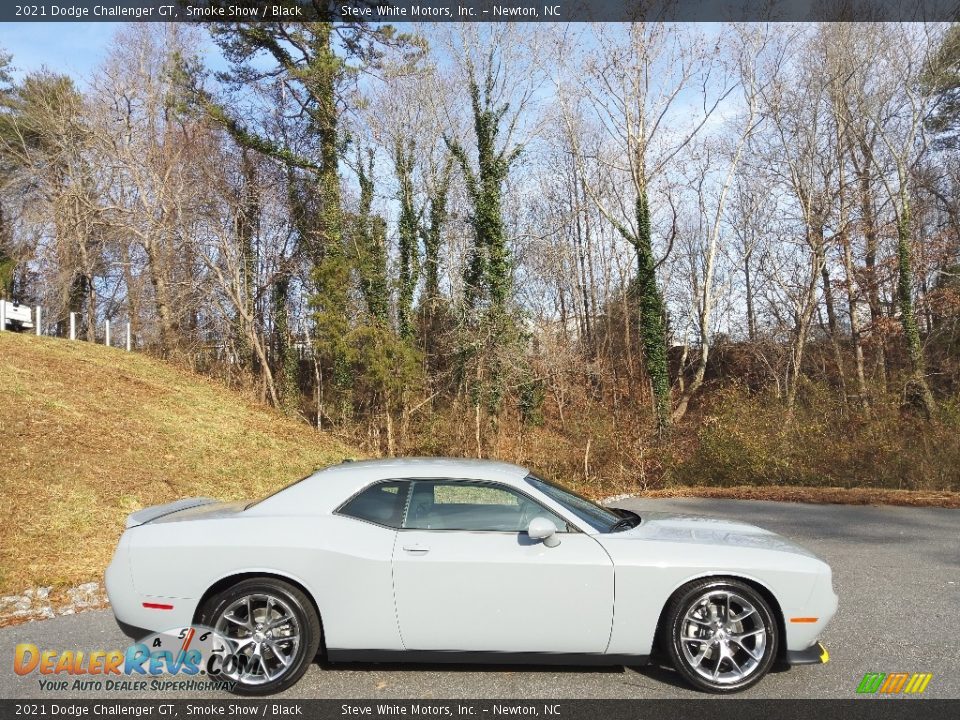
(342, 563)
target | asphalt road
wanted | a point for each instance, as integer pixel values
(896, 570)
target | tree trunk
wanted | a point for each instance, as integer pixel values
(161, 294)
(917, 387)
(580, 240)
(832, 328)
(870, 256)
(284, 361)
(804, 318)
(854, 323)
(247, 222)
(133, 291)
(751, 315)
(408, 230)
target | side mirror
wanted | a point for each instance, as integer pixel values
(542, 529)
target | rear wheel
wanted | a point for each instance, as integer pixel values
(272, 631)
(722, 635)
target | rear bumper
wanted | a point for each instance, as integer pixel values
(131, 631)
(137, 613)
(816, 654)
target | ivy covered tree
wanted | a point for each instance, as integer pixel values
(312, 62)
(492, 347)
(488, 274)
(432, 233)
(7, 262)
(408, 230)
(385, 367)
(433, 315)
(653, 313)
(370, 243)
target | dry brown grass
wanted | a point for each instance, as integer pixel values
(89, 434)
(817, 495)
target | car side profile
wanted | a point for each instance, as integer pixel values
(467, 561)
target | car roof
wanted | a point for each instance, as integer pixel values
(426, 467)
(328, 488)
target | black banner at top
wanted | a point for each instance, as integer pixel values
(530, 11)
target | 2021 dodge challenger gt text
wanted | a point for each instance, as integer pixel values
(446, 559)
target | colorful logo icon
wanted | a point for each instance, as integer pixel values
(894, 683)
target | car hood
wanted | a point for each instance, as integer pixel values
(668, 527)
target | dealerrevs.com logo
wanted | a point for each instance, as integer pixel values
(197, 657)
(894, 683)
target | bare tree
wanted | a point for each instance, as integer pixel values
(636, 85)
(748, 53)
(898, 110)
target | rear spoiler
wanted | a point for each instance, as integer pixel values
(157, 511)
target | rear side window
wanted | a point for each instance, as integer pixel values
(382, 504)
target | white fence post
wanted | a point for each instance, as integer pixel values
(73, 326)
(106, 340)
(37, 319)
(128, 337)
(3, 315)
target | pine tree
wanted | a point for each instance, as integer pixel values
(311, 60)
(941, 80)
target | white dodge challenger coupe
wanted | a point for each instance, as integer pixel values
(467, 561)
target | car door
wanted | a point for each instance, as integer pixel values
(468, 578)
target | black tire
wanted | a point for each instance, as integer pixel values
(695, 615)
(300, 608)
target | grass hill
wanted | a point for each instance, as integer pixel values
(89, 434)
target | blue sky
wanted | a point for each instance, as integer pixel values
(72, 48)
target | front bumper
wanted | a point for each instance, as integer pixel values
(816, 654)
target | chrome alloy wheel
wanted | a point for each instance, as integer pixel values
(723, 637)
(263, 632)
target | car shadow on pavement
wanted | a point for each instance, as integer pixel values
(661, 673)
(466, 667)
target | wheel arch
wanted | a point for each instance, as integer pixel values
(765, 592)
(234, 578)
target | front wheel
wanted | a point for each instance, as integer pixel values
(722, 635)
(272, 632)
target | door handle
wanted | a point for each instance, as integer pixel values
(416, 549)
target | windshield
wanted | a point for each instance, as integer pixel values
(596, 516)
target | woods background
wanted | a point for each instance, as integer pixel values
(626, 255)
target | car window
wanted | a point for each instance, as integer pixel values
(596, 516)
(464, 505)
(382, 503)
